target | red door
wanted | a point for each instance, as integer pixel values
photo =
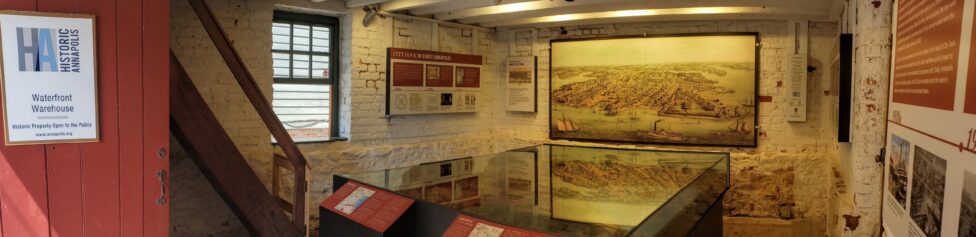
(108, 188)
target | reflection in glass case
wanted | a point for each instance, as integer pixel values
(571, 190)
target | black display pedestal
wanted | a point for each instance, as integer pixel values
(335, 225)
(332, 224)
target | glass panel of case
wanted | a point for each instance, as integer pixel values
(571, 190)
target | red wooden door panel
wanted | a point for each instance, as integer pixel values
(108, 188)
(155, 97)
(23, 181)
(100, 161)
(130, 116)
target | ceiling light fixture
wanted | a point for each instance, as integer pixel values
(643, 12)
(627, 13)
(515, 7)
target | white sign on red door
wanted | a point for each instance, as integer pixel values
(49, 78)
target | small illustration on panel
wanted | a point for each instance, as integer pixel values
(354, 200)
(898, 170)
(928, 190)
(967, 210)
(433, 73)
(483, 230)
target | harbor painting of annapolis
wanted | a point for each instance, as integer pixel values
(687, 90)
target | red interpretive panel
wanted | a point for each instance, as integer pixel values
(927, 50)
(468, 77)
(430, 82)
(970, 106)
(439, 76)
(408, 74)
(466, 226)
(368, 206)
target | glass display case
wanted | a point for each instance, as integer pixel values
(572, 190)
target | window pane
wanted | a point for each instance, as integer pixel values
(301, 41)
(280, 64)
(300, 65)
(280, 28)
(302, 30)
(320, 32)
(301, 44)
(320, 66)
(303, 109)
(280, 42)
(280, 36)
(320, 39)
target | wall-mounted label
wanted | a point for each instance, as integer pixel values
(429, 82)
(49, 78)
(521, 84)
(797, 107)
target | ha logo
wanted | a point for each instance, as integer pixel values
(39, 50)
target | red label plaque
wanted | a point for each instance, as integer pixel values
(926, 53)
(465, 226)
(368, 206)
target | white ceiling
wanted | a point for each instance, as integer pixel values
(526, 13)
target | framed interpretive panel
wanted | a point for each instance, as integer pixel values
(521, 84)
(430, 82)
(930, 168)
(688, 89)
(49, 78)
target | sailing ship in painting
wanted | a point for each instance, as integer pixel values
(565, 125)
(706, 100)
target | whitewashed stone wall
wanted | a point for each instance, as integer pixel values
(787, 180)
(860, 213)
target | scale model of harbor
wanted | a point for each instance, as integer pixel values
(696, 90)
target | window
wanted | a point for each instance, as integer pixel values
(306, 76)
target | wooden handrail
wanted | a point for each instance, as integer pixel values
(196, 128)
(246, 80)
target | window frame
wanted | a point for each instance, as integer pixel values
(334, 55)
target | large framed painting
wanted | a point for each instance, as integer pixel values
(690, 89)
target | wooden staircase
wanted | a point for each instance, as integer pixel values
(194, 125)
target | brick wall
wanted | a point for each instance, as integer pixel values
(789, 176)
